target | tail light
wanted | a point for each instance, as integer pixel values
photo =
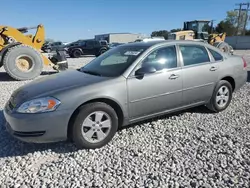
(244, 63)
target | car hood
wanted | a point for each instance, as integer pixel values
(54, 83)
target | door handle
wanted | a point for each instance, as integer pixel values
(213, 69)
(173, 76)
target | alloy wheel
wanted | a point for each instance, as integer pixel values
(222, 96)
(96, 126)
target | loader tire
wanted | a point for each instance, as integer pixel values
(224, 47)
(23, 62)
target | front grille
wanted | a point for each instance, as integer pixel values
(29, 134)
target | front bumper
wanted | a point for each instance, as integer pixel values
(38, 128)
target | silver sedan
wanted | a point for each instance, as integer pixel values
(127, 84)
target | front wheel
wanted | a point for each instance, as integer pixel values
(101, 52)
(94, 126)
(222, 97)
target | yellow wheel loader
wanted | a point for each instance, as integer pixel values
(21, 56)
(198, 30)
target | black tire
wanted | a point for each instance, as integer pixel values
(84, 112)
(213, 105)
(103, 51)
(100, 52)
(76, 53)
(33, 58)
(71, 55)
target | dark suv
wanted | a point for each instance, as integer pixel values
(88, 47)
(52, 46)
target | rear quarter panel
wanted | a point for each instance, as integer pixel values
(232, 66)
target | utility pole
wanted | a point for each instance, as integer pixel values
(239, 16)
(238, 22)
(247, 9)
(212, 26)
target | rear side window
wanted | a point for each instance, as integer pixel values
(83, 43)
(90, 43)
(194, 54)
(216, 55)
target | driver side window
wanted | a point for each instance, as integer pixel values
(162, 58)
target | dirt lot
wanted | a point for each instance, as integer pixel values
(189, 149)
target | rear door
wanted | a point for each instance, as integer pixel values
(81, 44)
(200, 74)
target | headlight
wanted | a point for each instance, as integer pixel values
(39, 105)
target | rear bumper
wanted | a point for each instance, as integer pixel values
(38, 128)
(241, 80)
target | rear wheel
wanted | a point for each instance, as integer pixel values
(222, 97)
(23, 62)
(101, 52)
(94, 126)
(76, 53)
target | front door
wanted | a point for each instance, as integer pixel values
(199, 74)
(158, 91)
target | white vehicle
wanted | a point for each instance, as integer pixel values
(150, 39)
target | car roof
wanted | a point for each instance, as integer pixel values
(159, 42)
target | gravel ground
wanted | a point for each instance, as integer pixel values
(188, 149)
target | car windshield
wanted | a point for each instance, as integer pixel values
(114, 62)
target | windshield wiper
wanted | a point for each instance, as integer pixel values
(91, 72)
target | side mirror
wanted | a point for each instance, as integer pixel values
(145, 70)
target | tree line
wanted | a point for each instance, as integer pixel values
(232, 25)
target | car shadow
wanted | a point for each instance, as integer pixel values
(199, 109)
(11, 146)
(248, 76)
(4, 77)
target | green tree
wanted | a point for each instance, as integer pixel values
(161, 33)
(232, 17)
(231, 22)
(226, 26)
(175, 30)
